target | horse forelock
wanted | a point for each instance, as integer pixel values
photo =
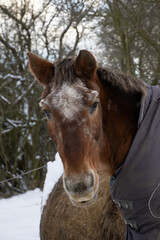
(64, 72)
(63, 75)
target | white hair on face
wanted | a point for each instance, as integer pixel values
(68, 101)
(93, 95)
(42, 102)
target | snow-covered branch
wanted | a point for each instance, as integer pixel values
(25, 92)
(4, 99)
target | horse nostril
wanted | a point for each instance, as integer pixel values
(85, 185)
(80, 184)
(80, 187)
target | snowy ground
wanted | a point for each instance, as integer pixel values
(20, 215)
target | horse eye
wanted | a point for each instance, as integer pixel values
(93, 107)
(47, 114)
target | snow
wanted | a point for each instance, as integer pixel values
(19, 98)
(5, 99)
(20, 215)
(13, 76)
(54, 172)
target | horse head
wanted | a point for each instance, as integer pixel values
(71, 102)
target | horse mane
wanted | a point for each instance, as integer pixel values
(121, 82)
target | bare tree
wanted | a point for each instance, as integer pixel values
(53, 30)
(130, 35)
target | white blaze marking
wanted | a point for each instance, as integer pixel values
(68, 101)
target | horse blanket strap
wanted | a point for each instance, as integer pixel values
(132, 224)
(135, 187)
(124, 204)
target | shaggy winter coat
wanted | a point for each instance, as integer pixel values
(60, 220)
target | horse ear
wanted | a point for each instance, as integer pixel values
(42, 69)
(85, 64)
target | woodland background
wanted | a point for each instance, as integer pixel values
(122, 34)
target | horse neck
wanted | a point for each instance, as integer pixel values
(120, 117)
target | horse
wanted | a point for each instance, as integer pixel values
(92, 116)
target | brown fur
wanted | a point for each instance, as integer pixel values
(60, 220)
(123, 94)
(41, 69)
(124, 83)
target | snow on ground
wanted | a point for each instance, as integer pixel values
(20, 215)
(54, 172)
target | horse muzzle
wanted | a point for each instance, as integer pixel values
(82, 189)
